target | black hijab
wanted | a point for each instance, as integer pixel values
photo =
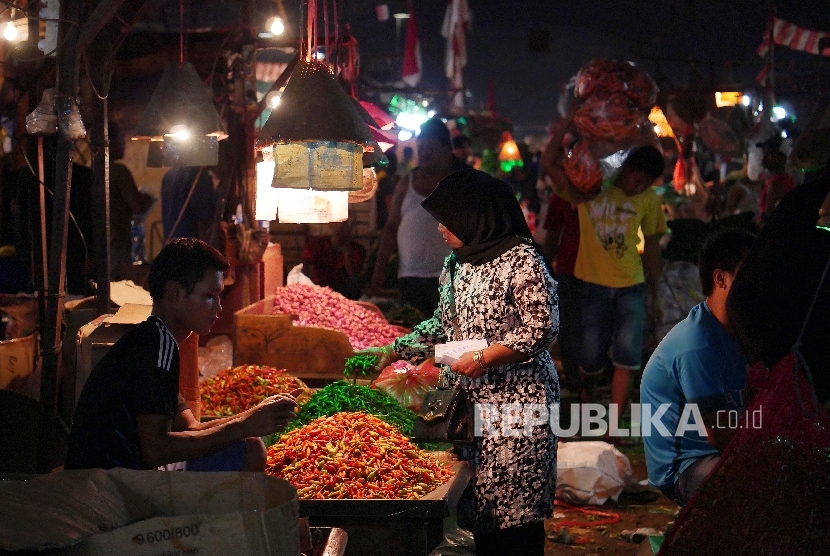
(481, 211)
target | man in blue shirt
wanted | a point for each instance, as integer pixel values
(693, 385)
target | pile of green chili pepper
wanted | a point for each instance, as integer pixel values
(342, 396)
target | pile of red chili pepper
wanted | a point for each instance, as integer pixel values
(237, 389)
(354, 455)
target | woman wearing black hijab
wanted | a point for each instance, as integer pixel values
(496, 286)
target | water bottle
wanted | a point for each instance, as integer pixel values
(137, 254)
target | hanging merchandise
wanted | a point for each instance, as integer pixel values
(43, 120)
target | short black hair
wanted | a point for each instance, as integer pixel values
(723, 250)
(460, 141)
(436, 129)
(184, 260)
(648, 159)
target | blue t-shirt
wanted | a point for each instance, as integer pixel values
(696, 363)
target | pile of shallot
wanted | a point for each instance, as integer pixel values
(322, 307)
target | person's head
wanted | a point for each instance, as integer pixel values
(721, 258)
(479, 212)
(117, 142)
(643, 165)
(186, 278)
(773, 159)
(462, 148)
(434, 146)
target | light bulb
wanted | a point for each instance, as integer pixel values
(180, 132)
(274, 101)
(10, 32)
(277, 26)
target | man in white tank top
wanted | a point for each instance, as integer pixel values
(410, 230)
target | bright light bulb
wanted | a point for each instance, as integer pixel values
(657, 129)
(180, 132)
(745, 100)
(275, 101)
(10, 32)
(277, 26)
(779, 113)
(404, 135)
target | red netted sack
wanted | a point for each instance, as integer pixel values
(609, 116)
(642, 90)
(593, 76)
(610, 76)
(770, 493)
(582, 168)
(407, 383)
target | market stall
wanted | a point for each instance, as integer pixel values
(349, 454)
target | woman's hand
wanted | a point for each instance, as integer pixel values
(385, 356)
(470, 364)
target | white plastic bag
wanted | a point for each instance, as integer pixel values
(589, 473)
(296, 276)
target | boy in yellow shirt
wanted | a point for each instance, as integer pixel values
(616, 277)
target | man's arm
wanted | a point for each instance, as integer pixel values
(388, 244)
(165, 440)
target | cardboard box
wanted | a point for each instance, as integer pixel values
(94, 512)
(261, 337)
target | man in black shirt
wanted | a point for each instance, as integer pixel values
(130, 413)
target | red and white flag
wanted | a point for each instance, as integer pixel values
(456, 21)
(411, 73)
(792, 36)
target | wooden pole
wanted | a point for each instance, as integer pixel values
(73, 39)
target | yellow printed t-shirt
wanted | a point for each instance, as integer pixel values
(608, 236)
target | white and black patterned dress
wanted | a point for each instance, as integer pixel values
(511, 301)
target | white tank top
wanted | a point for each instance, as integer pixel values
(421, 248)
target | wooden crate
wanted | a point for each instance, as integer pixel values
(263, 338)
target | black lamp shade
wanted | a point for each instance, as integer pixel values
(180, 99)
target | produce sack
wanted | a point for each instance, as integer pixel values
(611, 76)
(611, 117)
(407, 383)
(770, 492)
(118, 512)
(583, 169)
(589, 473)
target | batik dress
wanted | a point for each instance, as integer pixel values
(511, 301)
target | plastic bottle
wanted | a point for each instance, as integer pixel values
(138, 253)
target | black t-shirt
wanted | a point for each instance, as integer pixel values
(775, 287)
(138, 376)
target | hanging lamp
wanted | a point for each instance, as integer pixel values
(509, 155)
(180, 121)
(319, 141)
(318, 135)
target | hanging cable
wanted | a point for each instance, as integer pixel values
(181, 32)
